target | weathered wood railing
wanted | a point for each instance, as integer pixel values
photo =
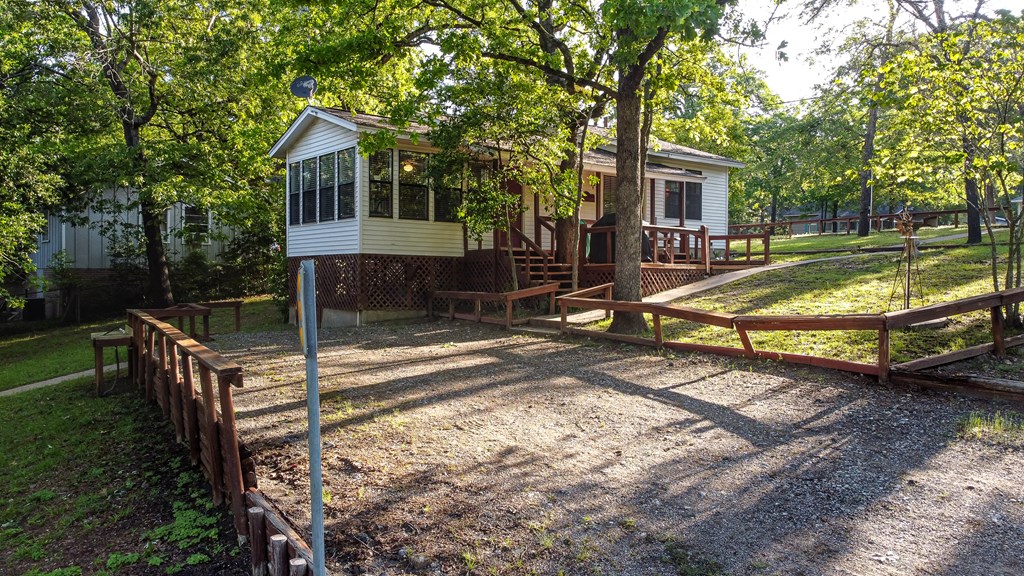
(534, 251)
(748, 258)
(478, 298)
(192, 310)
(165, 362)
(742, 324)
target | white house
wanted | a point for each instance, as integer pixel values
(383, 238)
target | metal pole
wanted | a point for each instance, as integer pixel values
(307, 337)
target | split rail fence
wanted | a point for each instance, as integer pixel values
(193, 387)
(599, 298)
(848, 224)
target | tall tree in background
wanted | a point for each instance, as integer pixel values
(172, 88)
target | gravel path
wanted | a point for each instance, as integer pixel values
(456, 448)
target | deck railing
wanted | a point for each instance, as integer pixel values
(742, 324)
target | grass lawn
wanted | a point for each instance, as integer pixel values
(790, 249)
(58, 350)
(861, 284)
(97, 486)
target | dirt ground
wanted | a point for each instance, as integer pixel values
(455, 448)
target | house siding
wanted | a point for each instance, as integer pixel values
(333, 236)
(87, 248)
(714, 201)
(400, 236)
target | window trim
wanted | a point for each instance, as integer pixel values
(185, 224)
(294, 187)
(391, 185)
(338, 183)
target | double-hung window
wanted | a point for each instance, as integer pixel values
(327, 181)
(672, 190)
(309, 191)
(413, 191)
(294, 210)
(347, 183)
(381, 179)
(694, 201)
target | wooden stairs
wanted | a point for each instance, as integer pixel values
(540, 270)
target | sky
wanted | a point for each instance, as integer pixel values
(795, 79)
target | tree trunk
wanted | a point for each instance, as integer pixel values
(565, 232)
(158, 289)
(971, 194)
(628, 157)
(866, 187)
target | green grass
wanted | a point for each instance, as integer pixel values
(859, 285)
(55, 351)
(76, 469)
(791, 249)
(999, 428)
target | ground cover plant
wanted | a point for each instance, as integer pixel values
(54, 350)
(857, 285)
(96, 486)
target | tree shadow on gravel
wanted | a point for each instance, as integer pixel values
(778, 476)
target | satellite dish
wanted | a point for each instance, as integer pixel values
(303, 87)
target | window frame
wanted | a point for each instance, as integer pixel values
(677, 194)
(419, 186)
(310, 192)
(349, 185)
(294, 180)
(327, 193)
(380, 183)
(186, 234)
(693, 190)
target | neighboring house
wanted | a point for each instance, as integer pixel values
(91, 253)
(383, 238)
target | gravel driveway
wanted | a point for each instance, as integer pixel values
(457, 448)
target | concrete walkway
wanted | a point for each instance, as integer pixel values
(83, 374)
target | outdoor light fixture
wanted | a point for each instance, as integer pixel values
(407, 166)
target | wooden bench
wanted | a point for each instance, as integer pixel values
(101, 340)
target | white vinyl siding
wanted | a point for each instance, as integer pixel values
(329, 236)
(399, 236)
(714, 199)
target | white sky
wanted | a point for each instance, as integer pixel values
(795, 79)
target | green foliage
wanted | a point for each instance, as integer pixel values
(118, 560)
(1001, 428)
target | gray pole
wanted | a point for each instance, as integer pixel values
(307, 336)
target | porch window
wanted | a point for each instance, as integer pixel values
(694, 200)
(672, 199)
(327, 180)
(448, 195)
(309, 191)
(412, 186)
(381, 178)
(293, 194)
(347, 183)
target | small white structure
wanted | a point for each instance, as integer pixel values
(384, 238)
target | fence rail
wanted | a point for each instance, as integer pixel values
(478, 298)
(165, 364)
(847, 224)
(742, 324)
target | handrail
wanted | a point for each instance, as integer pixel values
(533, 247)
(764, 237)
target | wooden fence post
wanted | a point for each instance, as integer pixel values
(279, 555)
(232, 458)
(174, 361)
(212, 435)
(258, 541)
(883, 355)
(162, 389)
(297, 567)
(658, 340)
(997, 331)
(191, 413)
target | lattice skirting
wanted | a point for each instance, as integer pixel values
(352, 282)
(653, 280)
